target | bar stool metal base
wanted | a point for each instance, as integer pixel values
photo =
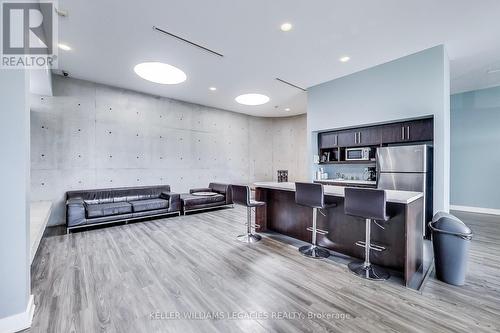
(249, 238)
(369, 272)
(313, 251)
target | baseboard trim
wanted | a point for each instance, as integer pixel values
(20, 321)
(490, 211)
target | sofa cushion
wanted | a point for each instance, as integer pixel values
(149, 204)
(191, 200)
(107, 209)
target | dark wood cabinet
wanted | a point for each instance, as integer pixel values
(328, 140)
(402, 132)
(369, 136)
(366, 136)
(347, 138)
(419, 130)
(410, 131)
(393, 133)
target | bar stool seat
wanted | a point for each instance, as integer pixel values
(312, 195)
(369, 204)
(241, 196)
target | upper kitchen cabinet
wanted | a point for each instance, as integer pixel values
(420, 130)
(328, 140)
(369, 136)
(393, 133)
(410, 131)
(366, 136)
(347, 138)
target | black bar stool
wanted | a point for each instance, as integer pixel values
(312, 195)
(241, 196)
(369, 204)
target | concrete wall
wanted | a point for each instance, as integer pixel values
(91, 136)
(475, 142)
(14, 196)
(409, 87)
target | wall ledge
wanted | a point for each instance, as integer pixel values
(479, 210)
(20, 321)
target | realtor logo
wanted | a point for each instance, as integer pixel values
(28, 34)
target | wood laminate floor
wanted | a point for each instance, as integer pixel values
(189, 274)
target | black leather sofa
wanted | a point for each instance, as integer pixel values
(222, 196)
(92, 207)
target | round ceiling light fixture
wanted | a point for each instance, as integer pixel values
(252, 99)
(159, 72)
(345, 59)
(286, 27)
(287, 109)
(213, 88)
(64, 47)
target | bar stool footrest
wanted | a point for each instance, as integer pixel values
(318, 231)
(374, 247)
(253, 226)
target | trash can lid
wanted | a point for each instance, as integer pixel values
(451, 225)
(441, 214)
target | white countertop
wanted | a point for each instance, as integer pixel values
(404, 197)
(348, 181)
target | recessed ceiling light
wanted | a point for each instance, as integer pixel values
(252, 99)
(494, 71)
(287, 109)
(64, 47)
(345, 59)
(212, 88)
(159, 72)
(286, 27)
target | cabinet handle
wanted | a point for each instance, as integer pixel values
(359, 137)
(402, 132)
(408, 132)
(336, 139)
(355, 137)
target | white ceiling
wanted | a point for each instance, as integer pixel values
(110, 37)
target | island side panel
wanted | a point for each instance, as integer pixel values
(414, 244)
(286, 217)
(261, 211)
(344, 231)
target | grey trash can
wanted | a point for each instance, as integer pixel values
(451, 240)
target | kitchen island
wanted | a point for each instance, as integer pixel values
(402, 235)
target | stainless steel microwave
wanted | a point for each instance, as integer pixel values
(357, 154)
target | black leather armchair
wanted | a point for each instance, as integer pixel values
(91, 207)
(223, 197)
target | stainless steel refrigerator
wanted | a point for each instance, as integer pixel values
(407, 168)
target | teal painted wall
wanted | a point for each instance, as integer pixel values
(475, 148)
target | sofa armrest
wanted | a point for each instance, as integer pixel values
(75, 212)
(202, 189)
(224, 189)
(229, 195)
(174, 201)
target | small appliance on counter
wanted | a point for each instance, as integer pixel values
(321, 174)
(357, 154)
(370, 174)
(282, 176)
